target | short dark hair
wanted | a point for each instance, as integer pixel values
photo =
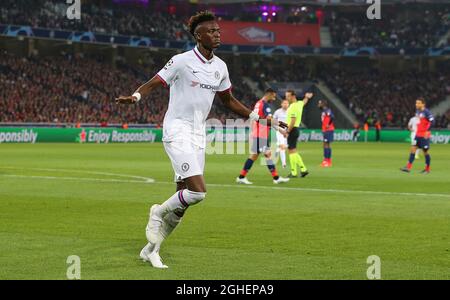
(269, 91)
(292, 92)
(421, 99)
(200, 17)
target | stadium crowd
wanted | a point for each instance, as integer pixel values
(389, 97)
(114, 20)
(71, 89)
(414, 29)
(414, 26)
(79, 91)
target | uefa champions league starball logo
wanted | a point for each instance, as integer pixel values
(169, 63)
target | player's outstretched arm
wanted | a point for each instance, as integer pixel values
(237, 107)
(233, 104)
(143, 91)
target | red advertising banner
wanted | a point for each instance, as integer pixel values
(252, 33)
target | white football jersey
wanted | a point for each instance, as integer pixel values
(193, 81)
(280, 115)
(413, 122)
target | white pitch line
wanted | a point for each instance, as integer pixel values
(73, 178)
(146, 179)
(332, 190)
(237, 186)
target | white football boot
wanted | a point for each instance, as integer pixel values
(243, 180)
(280, 180)
(151, 254)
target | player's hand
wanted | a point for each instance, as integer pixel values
(126, 100)
(285, 134)
(427, 134)
(282, 124)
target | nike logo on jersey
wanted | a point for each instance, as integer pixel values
(204, 72)
(204, 86)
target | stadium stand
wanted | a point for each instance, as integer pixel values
(80, 92)
(348, 27)
(128, 20)
(414, 26)
(388, 97)
(72, 88)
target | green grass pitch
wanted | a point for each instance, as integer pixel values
(58, 200)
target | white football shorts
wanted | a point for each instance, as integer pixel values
(281, 140)
(187, 159)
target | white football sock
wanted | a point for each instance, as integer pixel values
(171, 221)
(180, 200)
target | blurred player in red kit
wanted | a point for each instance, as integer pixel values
(261, 140)
(327, 118)
(423, 136)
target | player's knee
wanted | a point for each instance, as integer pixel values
(195, 197)
(181, 185)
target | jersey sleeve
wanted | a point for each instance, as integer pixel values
(291, 113)
(225, 84)
(168, 73)
(430, 119)
(267, 111)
